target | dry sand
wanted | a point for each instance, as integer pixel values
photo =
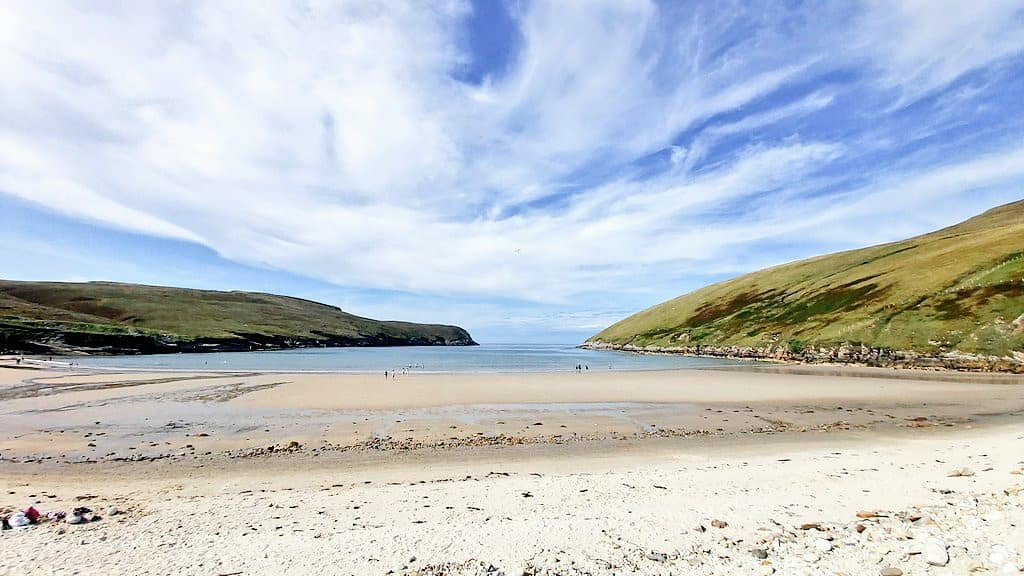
(610, 473)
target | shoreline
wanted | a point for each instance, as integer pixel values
(845, 355)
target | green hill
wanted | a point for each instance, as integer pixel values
(104, 317)
(952, 293)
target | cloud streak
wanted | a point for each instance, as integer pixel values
(623, 143)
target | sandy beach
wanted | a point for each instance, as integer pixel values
(816, 471)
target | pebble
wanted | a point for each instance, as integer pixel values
(113, 511)
(822, 545)
(759, 553)
(657, 556)
(934, 552)
(891, 571)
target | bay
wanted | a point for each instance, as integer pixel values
(501, 358)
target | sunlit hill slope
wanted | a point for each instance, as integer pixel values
(958, 291)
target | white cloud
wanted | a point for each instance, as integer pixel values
(922, 45)
(332, 140)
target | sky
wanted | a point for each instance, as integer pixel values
(532, 171)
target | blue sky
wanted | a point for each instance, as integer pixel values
(532, 171)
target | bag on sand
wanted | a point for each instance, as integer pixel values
(19, 520)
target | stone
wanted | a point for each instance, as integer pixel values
(934, 552)
(960, 472)
(822, 545)
(657, 556)
(890, 571)
(759, 553)
(719, 523)
(113, 511)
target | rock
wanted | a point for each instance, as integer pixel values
(859, 528)
(75, 519)
(811, 526)
(719, 523)
(890, 571)
(960, 472)
(822, 545)
(759, 553)
(113, 511)
(934, 552)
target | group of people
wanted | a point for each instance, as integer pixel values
(394, 373)
(582, 367)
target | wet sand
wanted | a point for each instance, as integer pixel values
(96, 417)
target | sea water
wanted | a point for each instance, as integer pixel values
(423, 359)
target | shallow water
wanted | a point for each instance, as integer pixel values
(506, 358)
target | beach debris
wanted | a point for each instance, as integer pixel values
(719, 523)
(81, 515)
(960, 472)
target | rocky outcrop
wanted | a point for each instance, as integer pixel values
(844, 354)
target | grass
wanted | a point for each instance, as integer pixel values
(178, 314)
(960, 288)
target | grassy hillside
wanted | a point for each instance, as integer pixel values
(40, 315)
(957, 289)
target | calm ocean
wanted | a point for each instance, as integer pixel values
(484, 358)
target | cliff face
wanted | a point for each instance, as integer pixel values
(108, 318)
(952, 298)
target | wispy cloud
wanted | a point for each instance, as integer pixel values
(625, 148)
